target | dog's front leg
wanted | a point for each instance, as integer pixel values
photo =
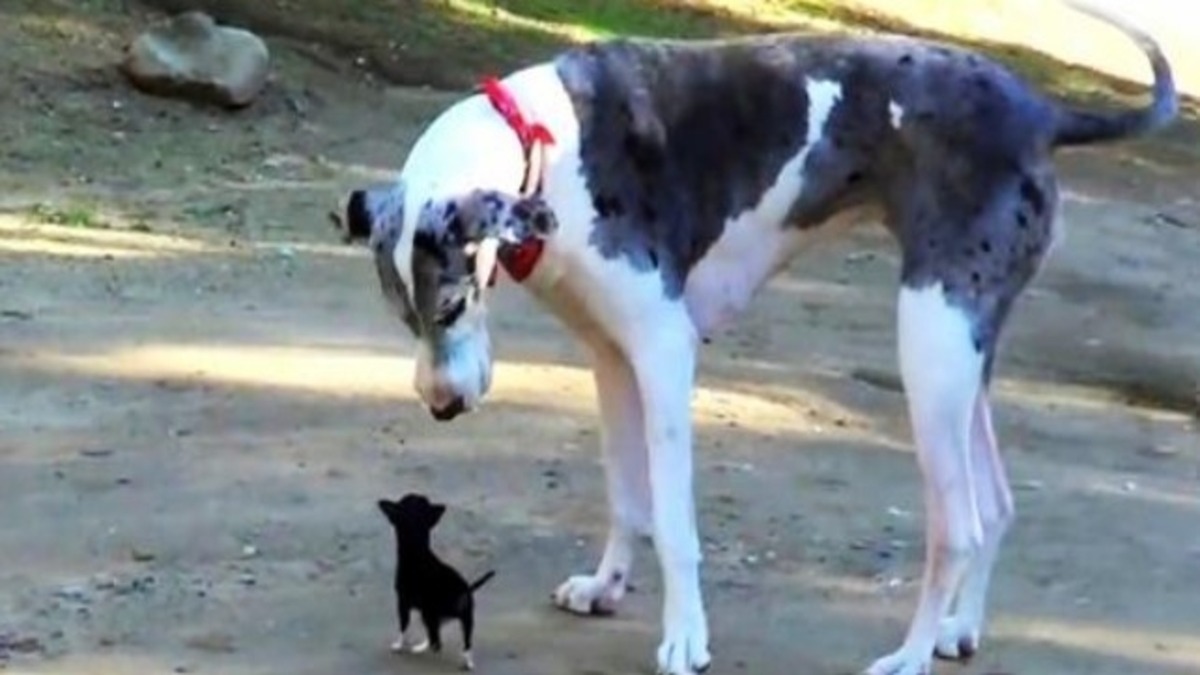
(624, 445)
(664, 361)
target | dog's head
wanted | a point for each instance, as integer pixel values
(413, 517)
(435, 257)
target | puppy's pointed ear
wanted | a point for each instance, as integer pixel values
(436, 511)
(388, 508)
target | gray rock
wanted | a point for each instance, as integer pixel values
(189, 56)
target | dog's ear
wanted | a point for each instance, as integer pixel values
(358, 218)
(505, 217)
(436, 511)
(371, 213)
(527, 217)
(388, 508)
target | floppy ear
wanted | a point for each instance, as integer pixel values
(493, 221)
(371, 212)
(358, 219)
(436, 511)
(526, 218)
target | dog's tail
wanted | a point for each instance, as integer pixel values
(487, 576)
(1078, 127)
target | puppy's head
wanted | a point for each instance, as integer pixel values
(413, 516)
(434, 256)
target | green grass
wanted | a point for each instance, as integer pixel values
(68, 216)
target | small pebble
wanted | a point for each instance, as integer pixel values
(73, 593)
(141, 555)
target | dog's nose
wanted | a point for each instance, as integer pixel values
(449, 411)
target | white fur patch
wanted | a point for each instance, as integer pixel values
(896, 113)
(941, 369)
(756, 245)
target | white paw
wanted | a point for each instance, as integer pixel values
(902, 662)
(957, 639)
(420, 648)
(684, 650)
(589, 594)
(398, 645)
(468, 662)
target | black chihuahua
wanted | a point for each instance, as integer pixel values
(425, 583)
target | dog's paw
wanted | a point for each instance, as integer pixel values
(403, 644)
(684, 649)
(590, 595)
(468, 661)
(419, 648)
(903, 661)
(957, 639)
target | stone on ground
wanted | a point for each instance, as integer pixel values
(189, 56)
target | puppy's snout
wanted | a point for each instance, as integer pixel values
(449, 411)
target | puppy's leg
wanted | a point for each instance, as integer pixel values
(942, 370)
(433, 633)
(403, 612)
(961, 632)
(627, 482)
(663, 357)
(467, 619)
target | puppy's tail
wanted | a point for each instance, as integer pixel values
(475, 585)
(1078, 127)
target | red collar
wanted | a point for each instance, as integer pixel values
(519, 260)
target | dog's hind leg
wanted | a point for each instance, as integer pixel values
(433, 632)
(627, 481)
(961, 632)
(942, 369)
(467, 621)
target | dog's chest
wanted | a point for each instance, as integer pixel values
(748, 253)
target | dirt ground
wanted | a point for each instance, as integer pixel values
(202, 396)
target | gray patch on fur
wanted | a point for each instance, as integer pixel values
(679, 137)
(676, 138)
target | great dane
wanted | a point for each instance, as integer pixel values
(644, 190)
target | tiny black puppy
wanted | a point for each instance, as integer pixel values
(425, 583)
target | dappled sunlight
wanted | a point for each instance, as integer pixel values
(336, 373)
(1083, 398)
(486, 11)
(830, 415)
(1158, 647)
(23, 236)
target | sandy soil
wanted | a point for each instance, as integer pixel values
(202, 397)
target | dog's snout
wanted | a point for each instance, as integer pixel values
(454, 408)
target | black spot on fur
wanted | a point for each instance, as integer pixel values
(1033, 195)
(906, 60)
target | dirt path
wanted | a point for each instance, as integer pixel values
(196, 416)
